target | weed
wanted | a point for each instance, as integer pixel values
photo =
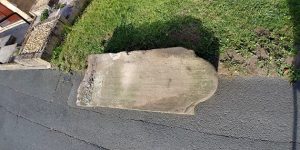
(45, 15)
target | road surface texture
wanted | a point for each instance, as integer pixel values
(37, 113)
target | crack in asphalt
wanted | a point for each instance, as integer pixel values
(58, 81)
(55, 130)
(214, 134)
(142, 121)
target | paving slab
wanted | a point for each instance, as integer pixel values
(7, 40)
(171, 80)
(7, 52)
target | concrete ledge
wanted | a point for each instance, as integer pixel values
(26, 64)
(172, 80)
(15, 66)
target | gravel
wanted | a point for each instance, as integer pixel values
(38, 37)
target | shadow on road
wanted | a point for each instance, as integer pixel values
(296, 88)
(179, 31)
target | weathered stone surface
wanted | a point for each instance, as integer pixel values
(172, 80)
(7, 52)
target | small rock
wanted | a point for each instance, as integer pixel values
(223, 70)
(251, 64)
(286, 72)
(239, 58)
(262, 53)
(262, 31)
(230, 53)
(234, 56)
(252, 61)
(289, 60)
(236, 73)
(262, 71)
(224, 57)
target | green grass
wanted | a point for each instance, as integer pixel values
(210, 27)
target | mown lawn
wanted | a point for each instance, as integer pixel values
(216, 29)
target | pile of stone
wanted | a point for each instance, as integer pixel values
(38, 37)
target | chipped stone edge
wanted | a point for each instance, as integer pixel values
(86, 86)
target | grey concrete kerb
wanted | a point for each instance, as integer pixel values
(27, 64)
(172, 80)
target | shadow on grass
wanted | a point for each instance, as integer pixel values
(294, 6)
(185, 32)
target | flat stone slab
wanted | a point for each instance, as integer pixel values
(172, 80)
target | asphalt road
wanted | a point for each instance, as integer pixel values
(37, 112)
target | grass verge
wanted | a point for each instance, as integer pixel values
(234, 31)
